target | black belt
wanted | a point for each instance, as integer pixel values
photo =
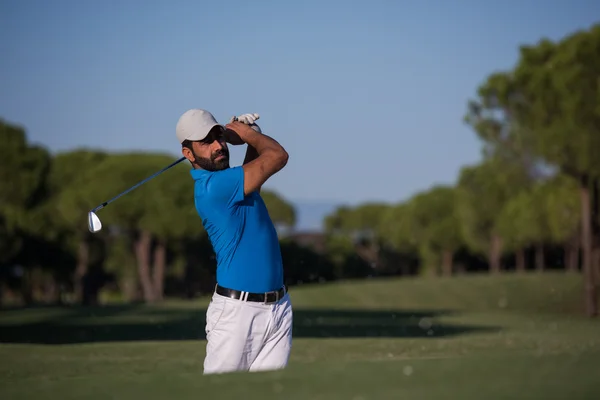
(268, 297)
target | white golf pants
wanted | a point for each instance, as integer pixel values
(247, 336)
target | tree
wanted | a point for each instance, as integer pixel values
(494, 119)
(337, 221)
(68, 183)
(557, 92)
(143, 212)
(563, 210)
(354, 232)
(397, 238)
(435, 225)
(23, 174)
(169, 217)
(482, 192)
(395, 228)
(360, 221)
(362, 226)
(523, 223)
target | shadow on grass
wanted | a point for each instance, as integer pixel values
(70, 325)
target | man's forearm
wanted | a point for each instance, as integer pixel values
(261, 142)
(272, 157)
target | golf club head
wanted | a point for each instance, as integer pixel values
(94, 224)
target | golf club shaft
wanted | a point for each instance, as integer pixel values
(101, 206)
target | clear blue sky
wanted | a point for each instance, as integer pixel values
(367, 97)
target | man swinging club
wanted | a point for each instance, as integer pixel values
(249, 319)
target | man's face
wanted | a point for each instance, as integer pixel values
(210, 154)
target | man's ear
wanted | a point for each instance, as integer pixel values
(187, 153)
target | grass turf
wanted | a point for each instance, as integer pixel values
(467, 337)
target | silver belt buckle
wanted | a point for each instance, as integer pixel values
(267, 296)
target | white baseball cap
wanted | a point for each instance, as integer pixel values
(195, 124)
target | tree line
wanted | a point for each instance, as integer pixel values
(536, 191)
(152, 242)
(532, 202)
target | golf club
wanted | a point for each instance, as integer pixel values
(94, 224)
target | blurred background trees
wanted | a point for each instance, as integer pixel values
(532, 203)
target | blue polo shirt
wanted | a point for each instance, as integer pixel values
(240, 229)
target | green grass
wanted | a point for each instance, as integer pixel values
(472, 337)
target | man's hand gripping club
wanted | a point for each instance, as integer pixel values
(248, 119)
(269, 156)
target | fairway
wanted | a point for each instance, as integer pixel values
(473, 337)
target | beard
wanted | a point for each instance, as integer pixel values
(212, 164)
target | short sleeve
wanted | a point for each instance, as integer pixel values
(227, 185)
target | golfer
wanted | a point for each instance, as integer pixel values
(249, 319)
